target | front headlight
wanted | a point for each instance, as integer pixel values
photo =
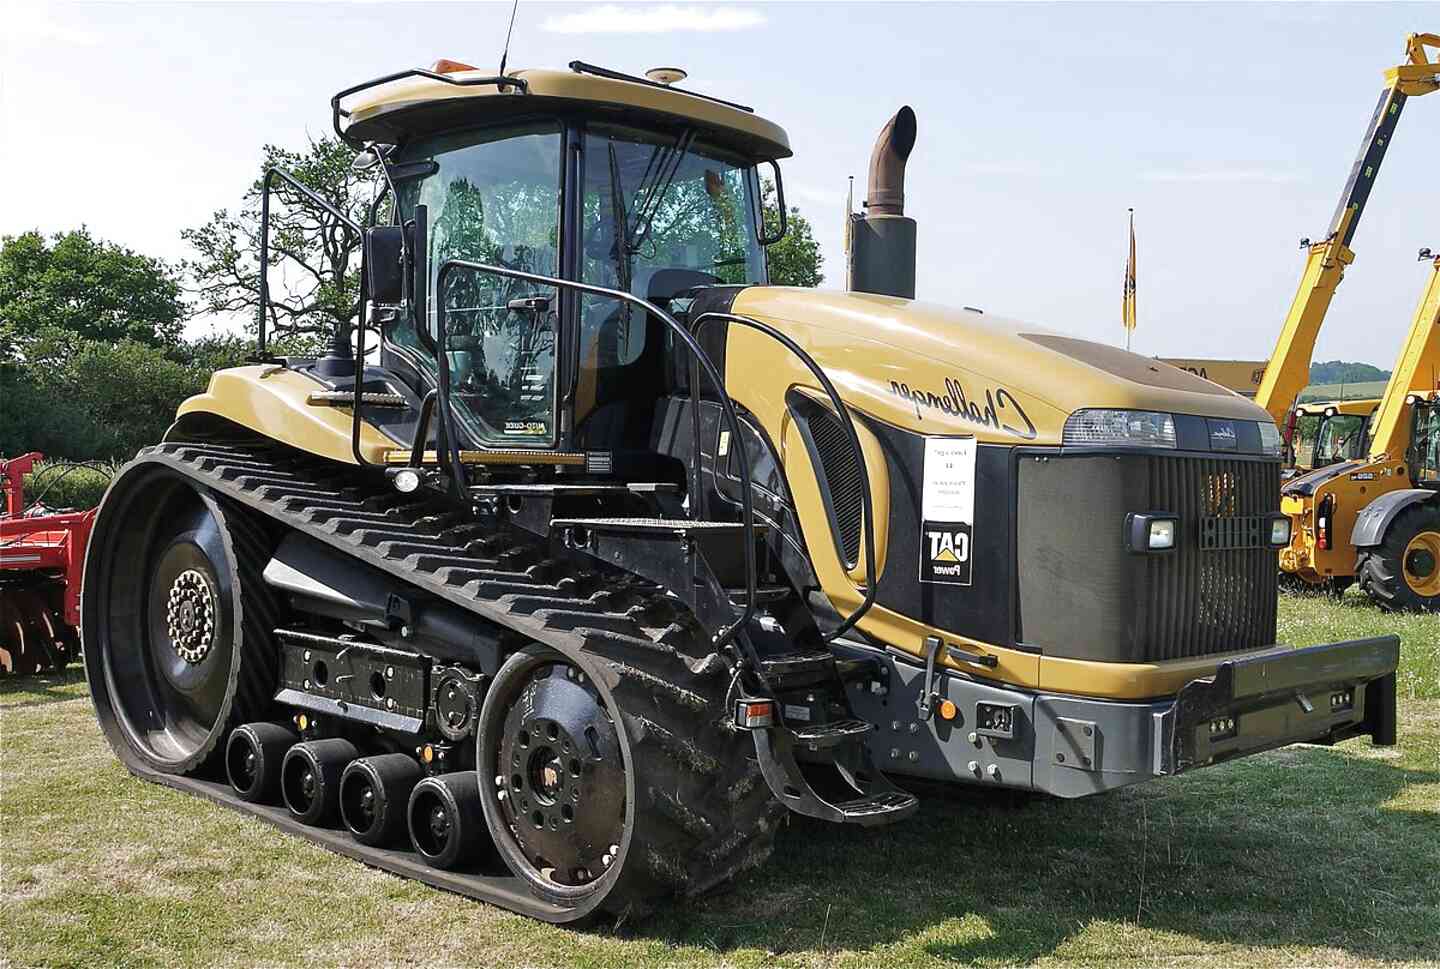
(1125, 428)
(1270, 441)
(1279, 531)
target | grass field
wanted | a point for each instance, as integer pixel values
(1303, 856)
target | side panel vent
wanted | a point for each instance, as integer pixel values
(840, 472)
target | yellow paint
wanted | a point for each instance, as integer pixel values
(1384, 470)
(273, 402)
(1289, 369)
(1427, 584)
(1241, 376)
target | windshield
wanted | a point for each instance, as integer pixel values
(494, 198)
(1341, 438)
(660, 215)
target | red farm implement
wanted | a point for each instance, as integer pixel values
(41, 557)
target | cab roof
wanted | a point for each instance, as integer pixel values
(401, 106)
(1318, 408)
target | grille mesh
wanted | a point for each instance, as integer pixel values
(842, 477)
(1210, 600)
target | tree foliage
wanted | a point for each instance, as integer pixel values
(85, 286)
(795, 260)
(1345, 372)
(314, 257)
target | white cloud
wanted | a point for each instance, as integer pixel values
(1221, 176)
(613, 18)
(49, 24)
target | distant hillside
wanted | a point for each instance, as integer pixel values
(1343, 372)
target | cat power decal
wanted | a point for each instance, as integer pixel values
(947, 517)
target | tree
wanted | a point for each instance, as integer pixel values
(314, 258)
(93, 289)
(796, 259)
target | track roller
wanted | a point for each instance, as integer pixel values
(253, 757)
(310, 778)
(374, 795)
(447, 824)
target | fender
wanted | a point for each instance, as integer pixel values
(1375, 518)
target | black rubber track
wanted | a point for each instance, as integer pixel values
(254, 668)
(707, 813)
(1380, 570)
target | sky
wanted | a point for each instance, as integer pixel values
(1229, 128)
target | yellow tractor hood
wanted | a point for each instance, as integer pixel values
(938, 370)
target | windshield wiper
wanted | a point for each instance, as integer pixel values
(664, 164)
(622, 225)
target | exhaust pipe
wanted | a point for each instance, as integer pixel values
(881, 250)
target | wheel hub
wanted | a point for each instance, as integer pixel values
(1422, 564)
(561, 777)
(190, 616)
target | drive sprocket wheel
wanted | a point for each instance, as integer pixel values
(610, 783)
(176, 620)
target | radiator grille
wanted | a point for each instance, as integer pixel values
(1208, 600)
(842, 477)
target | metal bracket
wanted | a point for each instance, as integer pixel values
(929, 694)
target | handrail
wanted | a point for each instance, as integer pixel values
(271, 173)
(866, 503)
(336, 112)
(447, 417)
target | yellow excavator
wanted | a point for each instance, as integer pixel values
(1378, 518)
(1288, 371)
(616, 554)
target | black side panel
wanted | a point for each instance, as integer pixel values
(983, 609)
(711, 299)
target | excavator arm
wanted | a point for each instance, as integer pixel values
(1289, 369)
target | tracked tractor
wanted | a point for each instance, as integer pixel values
(615, 556)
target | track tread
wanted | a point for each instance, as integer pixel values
(708, 814)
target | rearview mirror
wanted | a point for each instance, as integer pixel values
(385, 264)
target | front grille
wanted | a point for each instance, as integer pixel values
(1209, 595)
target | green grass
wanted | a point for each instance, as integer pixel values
(1307, 618)
(1308, 855)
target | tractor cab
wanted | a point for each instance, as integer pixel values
(626, 185)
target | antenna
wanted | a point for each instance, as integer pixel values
(504, 54)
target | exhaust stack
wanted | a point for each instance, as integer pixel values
(881, 249)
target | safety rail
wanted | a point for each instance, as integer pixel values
(866, 502)
(447, 417)
(500, 82)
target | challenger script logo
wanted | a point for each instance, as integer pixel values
(1000, 411)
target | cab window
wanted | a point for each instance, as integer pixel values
(493, 198)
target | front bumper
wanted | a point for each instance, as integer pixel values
(1073, 746)
(1287, 696)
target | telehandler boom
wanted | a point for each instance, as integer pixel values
(618, 554)
(1289, 369)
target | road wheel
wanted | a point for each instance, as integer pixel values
(176, 621)
(609, 787)
(1403, 572)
